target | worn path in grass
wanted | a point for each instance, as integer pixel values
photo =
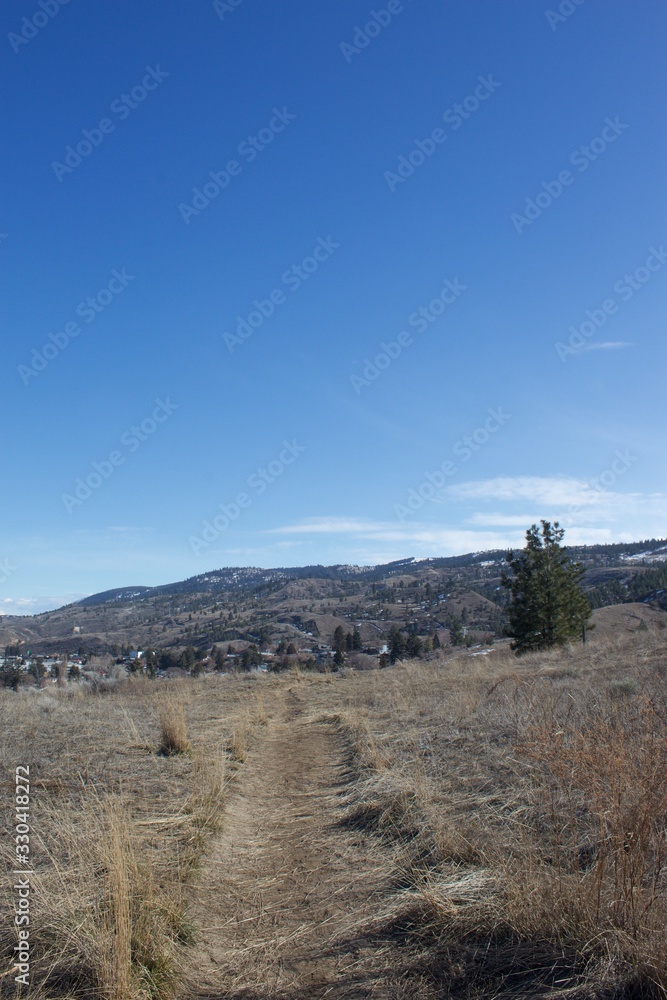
(287, 886)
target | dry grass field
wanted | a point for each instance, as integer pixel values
(529, 797)
(479, 826)
(123, 803)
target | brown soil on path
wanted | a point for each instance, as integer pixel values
(287, 885)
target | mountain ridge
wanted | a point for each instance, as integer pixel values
(304, 604)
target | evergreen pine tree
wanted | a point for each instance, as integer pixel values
(455, 631)
(413, 646)
(396, 644)
(339, 639)
(188, 658)
(547, 605)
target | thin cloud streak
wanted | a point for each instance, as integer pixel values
(606, 345)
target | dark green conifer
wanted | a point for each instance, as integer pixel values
(548, 607)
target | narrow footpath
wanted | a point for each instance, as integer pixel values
(287, 885)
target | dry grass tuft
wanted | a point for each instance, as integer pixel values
(237, 747)
(173, 729)
(115, 905)
(136, 921)
(367, 755)
(261, 716)
(207, 801)
(107, 916)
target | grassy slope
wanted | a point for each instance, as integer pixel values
(521, 804)
(531, 798)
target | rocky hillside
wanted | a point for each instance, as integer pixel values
(305, 605)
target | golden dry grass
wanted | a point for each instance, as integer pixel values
(173, 730)
(530, 799)
(237, 744)
(511, 815)
(118, 830)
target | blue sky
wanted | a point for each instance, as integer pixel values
(289, 283)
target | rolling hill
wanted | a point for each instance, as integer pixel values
(304, 605)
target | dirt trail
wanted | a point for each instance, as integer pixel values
(286, 882)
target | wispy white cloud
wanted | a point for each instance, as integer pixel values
(426, 539)
(605, 345)
(545, 490)
(36, 605)
(497, 520)
(589, 513)
(326, 526)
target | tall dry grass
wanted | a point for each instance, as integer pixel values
(137, 921)
(173, 728)
(522, 803)
(528, 800)
(237, 745)
(602, 815)
(118, 829)
(106, 914)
